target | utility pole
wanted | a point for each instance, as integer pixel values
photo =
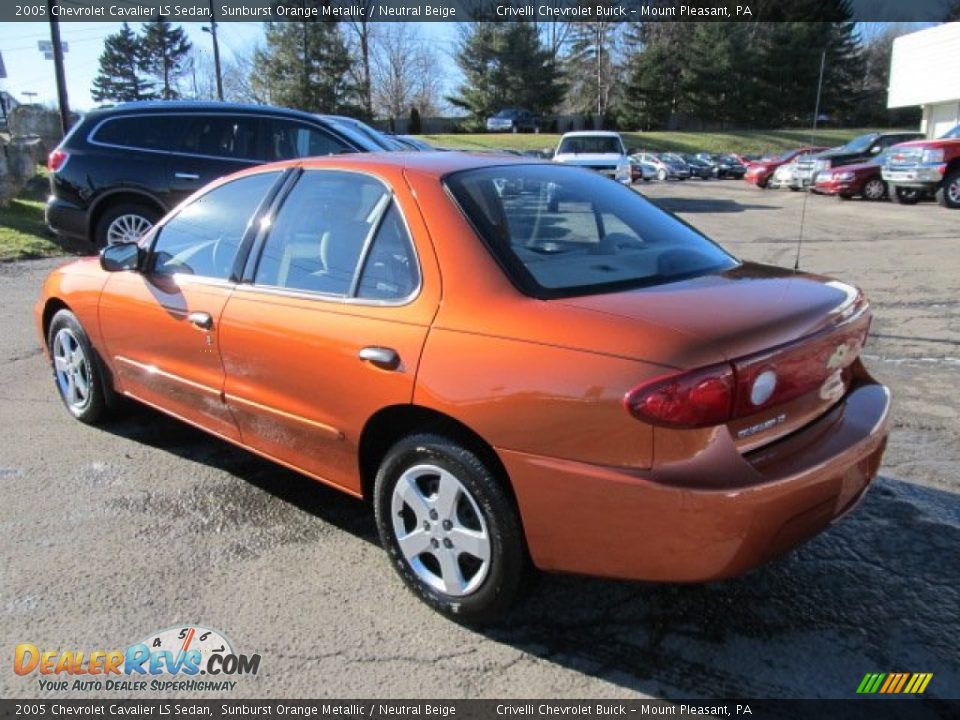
(58, 67)
(216, 50)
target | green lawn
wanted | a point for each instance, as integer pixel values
(743, 141)
(23, 233)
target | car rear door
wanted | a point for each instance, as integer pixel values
(161, 326)
(210, 146)
(328, 325)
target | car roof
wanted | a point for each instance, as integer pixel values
(591, 133)
(435, 164)
(195, 106)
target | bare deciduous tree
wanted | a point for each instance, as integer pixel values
(405, 72)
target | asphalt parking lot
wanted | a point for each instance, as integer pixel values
(112, 533)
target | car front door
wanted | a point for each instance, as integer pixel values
(160, 326)
(330, 322)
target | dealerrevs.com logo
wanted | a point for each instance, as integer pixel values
(171, 659)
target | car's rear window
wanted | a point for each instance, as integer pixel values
(591, 144)
(561, 231)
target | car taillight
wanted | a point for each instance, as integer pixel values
(56, 160)
(698, 398)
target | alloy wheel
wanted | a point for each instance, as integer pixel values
(440, 530)
(874, 189)
(72, 369)
(953, 191)
(127, 228)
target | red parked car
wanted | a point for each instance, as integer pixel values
(760, 172)
(846, 181)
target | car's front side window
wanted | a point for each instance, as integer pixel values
(288, 139)
(204, 237)
(322, 233)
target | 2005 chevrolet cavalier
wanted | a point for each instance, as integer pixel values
(517, 362)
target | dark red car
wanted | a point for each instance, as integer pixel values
(760, 172)
(847, 181)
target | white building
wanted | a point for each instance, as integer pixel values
(925, 71)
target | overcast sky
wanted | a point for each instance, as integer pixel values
(28, 71)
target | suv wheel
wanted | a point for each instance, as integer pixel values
(949, 193)
(126, 222)
(904, 195)
(451, 531)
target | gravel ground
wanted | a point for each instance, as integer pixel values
(109, 534)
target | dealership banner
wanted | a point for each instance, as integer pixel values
(484, 709)
(462, 10)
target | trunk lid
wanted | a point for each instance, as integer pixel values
(807, 330)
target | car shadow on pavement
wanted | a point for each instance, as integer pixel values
(877, 592)
(706, 205)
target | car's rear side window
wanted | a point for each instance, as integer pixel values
(147, 132)
(561, 231)
(287, 139)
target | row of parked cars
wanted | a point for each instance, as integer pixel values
(902, 166)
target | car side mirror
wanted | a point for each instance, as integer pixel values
(121, 257)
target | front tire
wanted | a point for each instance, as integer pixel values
(904, 195)
(76, 368)
(452, 532)
(948, 194)
(662, 175)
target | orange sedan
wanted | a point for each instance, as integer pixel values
(516, 362)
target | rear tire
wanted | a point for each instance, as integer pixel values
(904, 196)
(948, 194)
(76, 369)
(451, 530)
(874, 189)
(125, 222)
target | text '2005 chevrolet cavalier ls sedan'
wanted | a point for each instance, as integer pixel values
(518, 363)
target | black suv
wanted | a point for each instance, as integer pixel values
(119, 170)
(861, 149)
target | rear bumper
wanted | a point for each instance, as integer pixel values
(67, 219)
(646, 525)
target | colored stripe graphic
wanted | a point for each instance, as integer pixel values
(894, 683)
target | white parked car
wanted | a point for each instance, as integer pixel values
(598, 150)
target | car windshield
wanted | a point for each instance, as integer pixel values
(590, 144)
(859, 144)
(729, 159)
(561, 231)
(953, 134)
(670, 157)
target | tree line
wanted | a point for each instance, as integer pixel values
(642, 75)
(384, 70)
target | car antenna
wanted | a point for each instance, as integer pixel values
(813, 132)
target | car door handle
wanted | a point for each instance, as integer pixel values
(201, 319)
(186, 176)
(383, 357)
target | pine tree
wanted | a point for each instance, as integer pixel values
(304, 65)
(165, 50)
(505, 65)
(591, 66)
(118, 79)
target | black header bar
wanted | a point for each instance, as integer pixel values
(136, 11)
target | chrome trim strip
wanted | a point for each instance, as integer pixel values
(154, 370)
(329, 429)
